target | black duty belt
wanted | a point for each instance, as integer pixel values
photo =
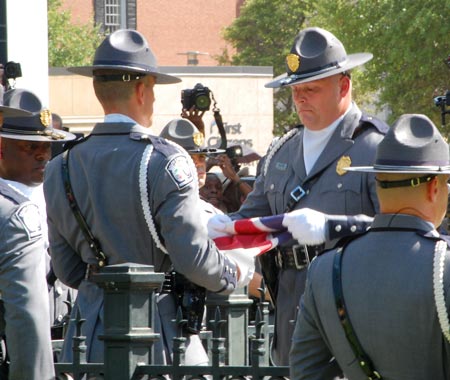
(298, 256)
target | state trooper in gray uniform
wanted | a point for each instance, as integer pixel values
(138, 194)
(25, 150)
(304, 168)
(378, 306)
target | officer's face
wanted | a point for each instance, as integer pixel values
(24, 161)
(320, 102)
(200, 165)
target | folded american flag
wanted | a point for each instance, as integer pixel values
(255, 235)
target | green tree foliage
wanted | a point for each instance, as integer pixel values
(69, 44)
(262, 36)
(408, 38)
(410, 43)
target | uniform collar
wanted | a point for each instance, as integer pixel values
(402, 221)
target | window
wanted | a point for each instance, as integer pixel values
(112, 15)
(115, 14)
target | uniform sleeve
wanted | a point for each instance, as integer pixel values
(25, 295)
(67, 264)
(256, 204)
(310, 358)
(178, 214)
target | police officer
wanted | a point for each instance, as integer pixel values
(24, 151)
(391, 281)
(138, 195)
(304, 168)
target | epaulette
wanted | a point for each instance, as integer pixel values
(71, 143)
(343, 242)
(12, 195)
(380, 125)
(160, 144)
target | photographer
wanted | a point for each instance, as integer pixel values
(195, 103)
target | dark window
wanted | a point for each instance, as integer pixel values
(115, 14)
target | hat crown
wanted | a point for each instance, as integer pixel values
(22, 99)
(317, 49)
(184, 133)
(126, 47)
(412, 141)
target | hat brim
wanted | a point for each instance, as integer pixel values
(210, 152)
(88, 71)
(400, 169)
(13, 112)
(63, 136)
(353, 60)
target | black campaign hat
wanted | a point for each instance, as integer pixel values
(186, 134)
(37, 127)
(19, 102)
(412, 145)
(316, 54)
(125, 50)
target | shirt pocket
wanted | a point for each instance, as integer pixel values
(342, 194)
(275, 188)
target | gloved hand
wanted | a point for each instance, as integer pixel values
(246, 263)
(217, 226)
(306, 225)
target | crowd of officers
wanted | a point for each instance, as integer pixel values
(344, 181)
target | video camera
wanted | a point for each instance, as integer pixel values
(199, 97)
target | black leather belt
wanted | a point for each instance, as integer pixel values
(298, 256)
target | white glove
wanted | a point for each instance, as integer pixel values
(217, 226)
(246, 263)
(306, 225)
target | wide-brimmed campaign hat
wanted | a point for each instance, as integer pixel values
(412, 145)
(125, 50)
(186, 134)
(316, 54)
(19, 102)
(37, 127)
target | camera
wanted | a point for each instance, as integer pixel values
(234, 151)
(199, 97)
(12, 70)
(443, 100)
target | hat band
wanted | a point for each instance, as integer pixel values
(47, 132)
(118, 77)
(132, 66)
(316, 71)
(410, 182)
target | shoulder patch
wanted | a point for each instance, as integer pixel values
(30, 218)
(180, 170)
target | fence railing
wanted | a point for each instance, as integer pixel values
(235, 348)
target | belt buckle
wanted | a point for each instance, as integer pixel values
(302, 249)
(298, 193)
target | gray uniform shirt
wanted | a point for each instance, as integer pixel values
(327, 190)
(387, 280)
(104, 172)
(23, 288)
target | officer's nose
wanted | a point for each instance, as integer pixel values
(44, 153)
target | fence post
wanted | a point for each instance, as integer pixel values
(234, 310)
(129, 308)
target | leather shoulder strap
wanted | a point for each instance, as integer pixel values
(363, 359)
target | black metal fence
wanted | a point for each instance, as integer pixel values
(236, 348)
